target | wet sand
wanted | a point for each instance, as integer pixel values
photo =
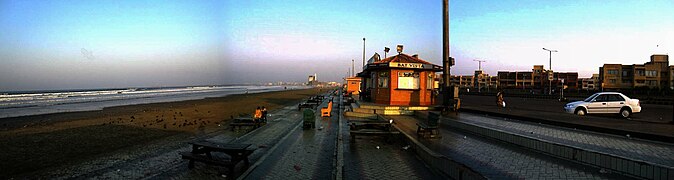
(42, 141)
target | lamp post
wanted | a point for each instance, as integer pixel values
(352, 70)
(363, 53)
(386, 49)
(549, 79)
(479, 63)
(446, 58)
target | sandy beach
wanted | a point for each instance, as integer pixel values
(41, 142)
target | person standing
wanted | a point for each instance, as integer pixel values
(258, 114)
(264, 114)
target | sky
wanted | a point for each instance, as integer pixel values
(112, 44)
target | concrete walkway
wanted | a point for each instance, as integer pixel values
(623, 146)
(304, 153)
(496, 160)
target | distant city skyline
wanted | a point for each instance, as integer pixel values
(89, 44)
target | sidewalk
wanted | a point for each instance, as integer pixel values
(496, 160)
(651, 124)
(304, 153)
(645, 151)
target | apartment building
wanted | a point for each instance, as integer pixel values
(655, 74)
(537, 78)
(590, 84)
(483, 81)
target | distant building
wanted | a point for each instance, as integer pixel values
(537, 78)
(477, 81)
(656, 74)
(312, 80)
(353, 85)
(590, 84)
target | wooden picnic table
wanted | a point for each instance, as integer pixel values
(202, 151)
(371, 128)
(245, 121)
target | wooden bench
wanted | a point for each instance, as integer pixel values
(202, 152)
(327, 111)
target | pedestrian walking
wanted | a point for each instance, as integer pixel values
(499, 99)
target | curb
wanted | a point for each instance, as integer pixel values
(634, 134)
(339, 164)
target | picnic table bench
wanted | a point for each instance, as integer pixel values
(379, 127)
(309, 105)
(429, 127)
(245, 122)
(202, 151)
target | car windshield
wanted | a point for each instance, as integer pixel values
(590, 98)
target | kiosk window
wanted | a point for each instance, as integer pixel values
(408, 80)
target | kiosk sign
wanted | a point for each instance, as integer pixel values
(406, 65)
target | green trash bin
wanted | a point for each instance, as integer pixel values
(309, 119)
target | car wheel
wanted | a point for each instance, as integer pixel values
(625, 112)
(581, 112)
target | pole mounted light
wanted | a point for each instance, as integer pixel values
(363, 53)
(386, 49)
(479, 63)
(550, 71)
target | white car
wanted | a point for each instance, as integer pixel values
(605, 102)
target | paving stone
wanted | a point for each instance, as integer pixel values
(646, 151)
(497, 160)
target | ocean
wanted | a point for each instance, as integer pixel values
(14, 104)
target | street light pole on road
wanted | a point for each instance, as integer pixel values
(549, 80)
(363, 53)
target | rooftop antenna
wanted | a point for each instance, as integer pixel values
(479, 63)
(352, 70)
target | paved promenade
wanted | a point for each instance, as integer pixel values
(315, 154)
(646, 151)
(497, 160)
(304, 154)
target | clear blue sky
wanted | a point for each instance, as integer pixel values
(169, 43)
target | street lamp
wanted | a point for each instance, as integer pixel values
(550, 80)
(479, 63)
(363, 52)
(477, 76)
(386, 49)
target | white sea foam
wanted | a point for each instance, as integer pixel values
(22, 104)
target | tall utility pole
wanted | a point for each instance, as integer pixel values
(477, 77)
(445, 53)
(352, 70)
(479, 63)
(550, 71)
(363, 53)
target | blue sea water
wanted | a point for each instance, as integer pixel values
(34, 103)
